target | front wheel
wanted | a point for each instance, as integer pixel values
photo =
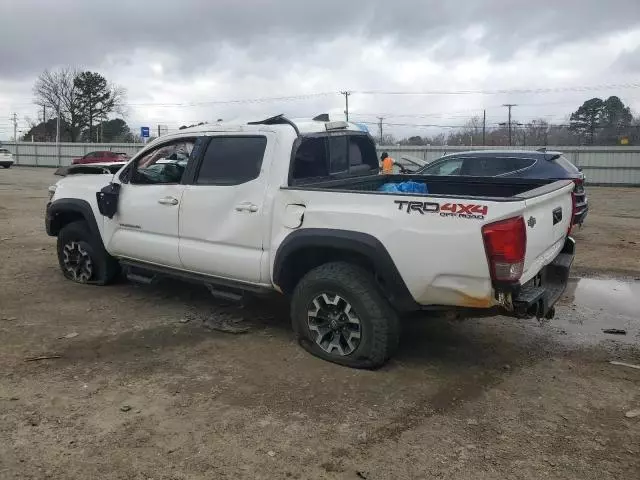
(339, 314)
(82, 257)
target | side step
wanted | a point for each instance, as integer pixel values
(139, 278)
(225, 294)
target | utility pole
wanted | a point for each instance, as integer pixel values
(380, 126)
(509, 106)
(484, 127)
(58, 133)
(346, 94)
(14, 119)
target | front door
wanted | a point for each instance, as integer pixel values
(222, 213)
(145, 228)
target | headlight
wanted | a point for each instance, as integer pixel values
(52, 191)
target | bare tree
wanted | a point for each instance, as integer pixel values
(469, 134)
(388, 139)
(56, 90)
(537, 132)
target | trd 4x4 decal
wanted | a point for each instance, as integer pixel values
(458, 210)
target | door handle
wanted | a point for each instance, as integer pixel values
(247, 207)
(168, 201)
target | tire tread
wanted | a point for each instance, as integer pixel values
(360, 283)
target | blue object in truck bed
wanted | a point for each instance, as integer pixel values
(404, 187)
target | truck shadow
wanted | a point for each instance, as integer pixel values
(425, 342)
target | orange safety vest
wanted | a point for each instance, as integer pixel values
(387, 165)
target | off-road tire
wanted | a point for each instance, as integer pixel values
(104, 268)
(379, 323)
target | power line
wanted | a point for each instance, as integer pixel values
(610, 86)
(220, 102)
(505, 91)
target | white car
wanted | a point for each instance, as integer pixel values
(6, 158)
(108, 168)
(298, 208)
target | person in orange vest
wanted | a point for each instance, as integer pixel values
(386, 164)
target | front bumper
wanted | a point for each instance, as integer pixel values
(48, 221)
(537, 297)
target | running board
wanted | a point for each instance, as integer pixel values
(219, 287)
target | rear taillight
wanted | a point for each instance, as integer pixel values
(579, 182)
(505, 243)
(577, 188)
(573, 212)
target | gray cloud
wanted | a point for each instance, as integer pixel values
(41, 33)
(195, 51)
(628, 62)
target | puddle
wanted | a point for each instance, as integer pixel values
(613, 296)
(590, 305)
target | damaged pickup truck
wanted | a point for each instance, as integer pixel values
(299, 208)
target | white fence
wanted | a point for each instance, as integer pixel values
(47, 154)
(601, 165)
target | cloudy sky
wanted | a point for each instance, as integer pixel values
(186, 61)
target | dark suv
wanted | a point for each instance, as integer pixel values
(514, 164)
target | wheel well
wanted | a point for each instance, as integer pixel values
(305, 259)
(64, 218)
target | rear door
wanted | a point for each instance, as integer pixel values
(547, 217)
(223, 213)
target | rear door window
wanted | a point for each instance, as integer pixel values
(232, 160)
(494, 166)
(446, 167)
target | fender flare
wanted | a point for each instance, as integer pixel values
(359, 243)
(59, 207)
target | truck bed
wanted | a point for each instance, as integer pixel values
(493, 188)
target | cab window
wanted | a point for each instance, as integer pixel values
(164, 164)
(333, 156)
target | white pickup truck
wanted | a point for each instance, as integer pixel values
(296, 207)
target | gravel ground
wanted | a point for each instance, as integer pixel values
(140, 389)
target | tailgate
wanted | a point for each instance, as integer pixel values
(548, 216)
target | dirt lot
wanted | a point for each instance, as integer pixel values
(138, 394)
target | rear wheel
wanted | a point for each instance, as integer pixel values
(339, 314)
(82, 257)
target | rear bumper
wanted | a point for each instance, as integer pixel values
(581, 215)
(537, 297)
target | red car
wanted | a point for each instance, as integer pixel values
(101, 157)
